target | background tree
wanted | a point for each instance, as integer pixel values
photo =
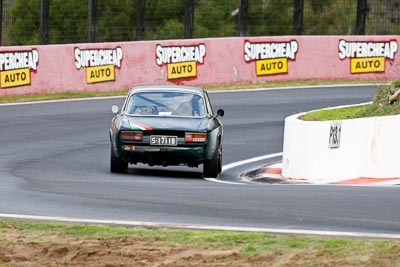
(68, 19)
(116, 21)
(25, 23)
(270, 17)
(215, 18)
(164, 20)
(74, 26)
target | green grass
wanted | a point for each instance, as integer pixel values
(71, 95)
(380, 106)
(333, 114)
(249, 242)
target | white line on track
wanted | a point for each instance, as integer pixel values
(239, 163)
(247, 161)
(201, 227)
(222, 181)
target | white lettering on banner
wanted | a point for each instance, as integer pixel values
(19, 60)
(258, 51)
(179, 54)
(97, 57)
(367, 49)
(334, 134)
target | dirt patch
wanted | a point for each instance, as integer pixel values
(117, 253)
(37, 248)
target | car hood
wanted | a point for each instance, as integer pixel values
(165, 123)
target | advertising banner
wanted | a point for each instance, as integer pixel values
(196, 62)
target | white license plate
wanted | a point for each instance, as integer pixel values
(162, 140)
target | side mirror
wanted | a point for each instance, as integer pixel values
(115, 109)
(220, 112)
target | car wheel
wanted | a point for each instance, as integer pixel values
(211, 167)
(116, 164)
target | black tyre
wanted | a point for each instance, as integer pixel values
(213, 167)
(116, 164)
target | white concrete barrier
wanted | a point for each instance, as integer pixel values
(328, 151)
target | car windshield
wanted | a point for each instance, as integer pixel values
(165, 104)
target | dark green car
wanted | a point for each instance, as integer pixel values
(167, 125)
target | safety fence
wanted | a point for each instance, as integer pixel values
(33, 22)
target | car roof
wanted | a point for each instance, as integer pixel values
(159, 87)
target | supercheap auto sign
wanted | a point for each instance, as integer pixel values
(270, 57)
(16, 67)
(367, 57)
(181, 61)
(99, 63)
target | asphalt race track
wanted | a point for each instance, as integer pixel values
(54, 161)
